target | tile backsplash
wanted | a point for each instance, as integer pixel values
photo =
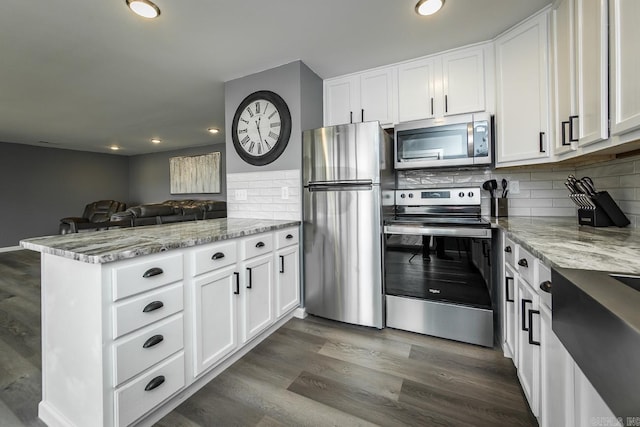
(264, 195)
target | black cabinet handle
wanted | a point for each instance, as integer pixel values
(289, 236)
(155, 383)
(154, 305)
(362, 115)
(249, 281)
(237, 291)
(508, 249)
(281, 264)
(524, 303)
(350, 116)
(446, 104)
(506, 288)
(152, 272)
(564, 133)
(546, 286)
(217, 255)
(541, 136)
(154, 340)
(531, 313)
(571, 138)
(432, 106)
(260, 245)
(523, 263)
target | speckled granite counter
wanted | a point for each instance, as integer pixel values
(117, 244)
(561, 242)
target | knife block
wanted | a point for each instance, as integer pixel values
(593, 217)
(606, 213)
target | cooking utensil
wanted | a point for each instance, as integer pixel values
(487, 186)
(504, 188)
(494, 185)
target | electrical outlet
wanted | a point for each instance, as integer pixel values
(241, 195)
(285, 193)
(514, 187)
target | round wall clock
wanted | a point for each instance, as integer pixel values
(261, 128)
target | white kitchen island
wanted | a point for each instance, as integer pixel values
(136, 320)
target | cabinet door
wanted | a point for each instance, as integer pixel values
(287, 279)
(510, 313)
(556, 376)
(257, 295)
(463, 82)
(340, 99)
(625, 63)
(589, 406)
(528, 351)
(214, 302)
(416, 90)
(564, 73)
(523, 93)
(592, 70)
(376, 97)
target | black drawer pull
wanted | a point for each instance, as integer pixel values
(152, 272)
(506, 288)
(546, 286)
(260, 245)
(523, 263)
(154, 340)
(217, 255)
(508, 249)
(155, 383)
(154, 305)
(249, 281)
(523, 308)
(289, 236)
(531, 313)
(237, 291)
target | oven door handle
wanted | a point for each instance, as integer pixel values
(482, 233)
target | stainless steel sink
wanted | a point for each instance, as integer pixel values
(631, 281)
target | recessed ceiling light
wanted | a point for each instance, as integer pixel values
(213, 130)
(144, 8)
(156, 140)
(428, 7)
(114, 147)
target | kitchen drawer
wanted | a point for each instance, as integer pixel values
(132, 401)
(544, 275)
(130, 357)
(214, 256)
(287, 237)
(257, 245)
(525, 265)
(509, 252)
(140, 276)
(136, 312)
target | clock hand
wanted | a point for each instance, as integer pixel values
(258, 126)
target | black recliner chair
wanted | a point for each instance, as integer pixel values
(96, 215)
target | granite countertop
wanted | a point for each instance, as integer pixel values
(122, 243)
(561, 242)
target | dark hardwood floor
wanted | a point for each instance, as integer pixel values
(311, 372)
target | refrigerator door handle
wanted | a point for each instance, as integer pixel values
(351, 182)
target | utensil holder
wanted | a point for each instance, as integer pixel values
(499, 207)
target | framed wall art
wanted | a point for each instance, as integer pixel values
(195, 174)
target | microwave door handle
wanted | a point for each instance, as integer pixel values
(470, 140)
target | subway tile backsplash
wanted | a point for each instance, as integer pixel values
(542, 190)
(264, 195)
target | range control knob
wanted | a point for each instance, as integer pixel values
(461, 194)
(411, 195)
(402, 196)
(470, 193)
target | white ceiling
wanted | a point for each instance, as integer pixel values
(86, 74)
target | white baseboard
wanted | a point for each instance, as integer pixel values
(300, 313)
(10, 249)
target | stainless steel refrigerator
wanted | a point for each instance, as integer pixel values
(348, 191)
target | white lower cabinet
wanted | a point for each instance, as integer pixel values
(287, 279)
(510, 313)
(528, 344)
(256, 296)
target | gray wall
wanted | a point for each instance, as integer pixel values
(301, 89)
(149, 175)
(41, 185)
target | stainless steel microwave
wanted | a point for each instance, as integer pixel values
(462, 140)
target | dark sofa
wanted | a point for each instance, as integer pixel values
(96, 216)
(171, 211)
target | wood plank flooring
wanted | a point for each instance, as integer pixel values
(311, 372)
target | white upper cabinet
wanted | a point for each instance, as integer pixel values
(366, 97)
(625, 63)
(463, 83)
(416, 90)
(522, 115)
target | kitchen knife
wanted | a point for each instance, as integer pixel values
(588, 184)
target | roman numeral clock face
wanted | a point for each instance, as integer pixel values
(261, 128)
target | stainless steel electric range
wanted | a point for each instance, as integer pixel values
(438, 265)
